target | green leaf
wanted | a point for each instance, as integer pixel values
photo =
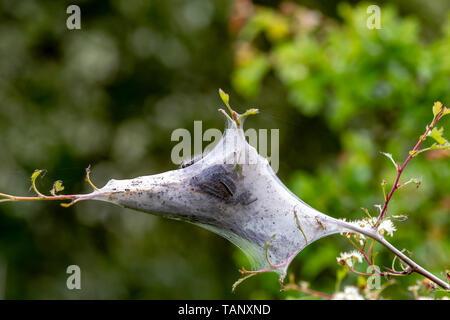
(57, 187)
(437, 134)
(34, 176)
(225, 97)
(445, 146)
(434, 146)
(446, 111)
(388, 155)
(437, 107)
(248, 113)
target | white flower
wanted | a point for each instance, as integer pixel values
(387, 226)
(350, 293)
(370, 294)
(414, 288)
(365, 223)
(348, 258)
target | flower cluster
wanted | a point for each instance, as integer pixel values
(350, 293)
(349, 258)
(386, 226)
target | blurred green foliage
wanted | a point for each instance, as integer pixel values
(111, 93)
(374, 90)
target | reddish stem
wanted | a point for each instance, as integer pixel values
(363, 273)
(272, 267)
(319, 294)
(400, 169)
(398, 273)
(43, 197)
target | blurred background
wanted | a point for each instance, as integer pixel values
(111, 94)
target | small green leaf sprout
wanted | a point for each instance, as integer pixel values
(236, 117)
(57, 187)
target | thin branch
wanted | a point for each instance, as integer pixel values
(401, 168)
(74, 197)
(293, 286)
(240, 280)
(413, 265)
(54, 197)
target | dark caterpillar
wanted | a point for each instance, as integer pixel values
(220, 181)
(191, 161)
